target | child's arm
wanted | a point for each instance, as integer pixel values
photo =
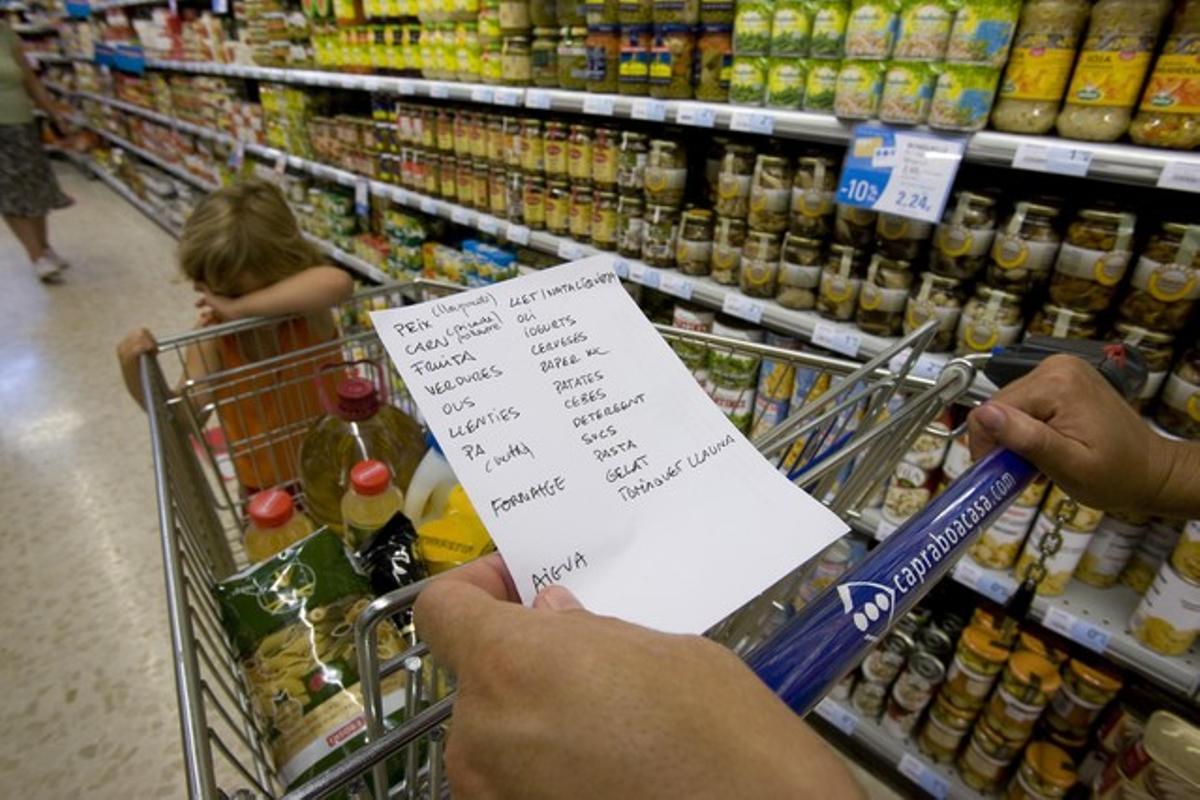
(314, 289)
(199, 360)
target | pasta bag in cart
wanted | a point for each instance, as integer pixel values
(291, 620)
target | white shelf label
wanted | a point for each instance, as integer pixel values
(428, 206)
(598, 104)
(838, 338)
(406, 88)
(621, 267)
(646, 276)
(461, 216)
(281, 164)
(507, 97)
(439, 91)
(923, 775)
(699, 116)
(836, 715)
(968, 573)
(904, 172)
(752, 122)
(675, 284)
(239, 154)
(649, 110)
(488, 224)
(1180, 175)
(927, 365)
(1051, 158)
(1062, 621)
(402, 196)
(536, 98)
(569, 250)
(518, 234)
(743, 307)
(481, 94)
(362, 194)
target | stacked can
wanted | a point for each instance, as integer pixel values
(1086, 689)
(732, 376)
(978, 660)
(1111, 548)
(776, 381)
(1167, 620)
(912, 692)
(1159, 763)
(693, 354)
(1075, 524)
(916, 475)
(877, 672)
(1157, 543)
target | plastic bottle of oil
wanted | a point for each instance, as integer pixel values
(274, 524)
(370, 501)
(359, 427)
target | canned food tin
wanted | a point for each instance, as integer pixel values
(977, 661)
(1111, 547)
(1080, 518)
(935, 642)
(1084, 693)
(986, 758)
(1059, 566)
(1167, 620)
(944, 730)
(841, 690)
(1186, 555)
(869, 698)
(897, 720)
(1000, 543)
(884, 663)
(921, 676)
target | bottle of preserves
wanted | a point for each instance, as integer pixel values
(1170, 112)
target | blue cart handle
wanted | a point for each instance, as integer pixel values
(808, 655)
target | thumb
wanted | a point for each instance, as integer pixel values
(453, 616)
(557, 598)
(1049, 450)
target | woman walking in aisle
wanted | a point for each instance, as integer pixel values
(28, 188)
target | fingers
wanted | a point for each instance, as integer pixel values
(1006, 426)
(557, 598)
(489, 573)
(453, 616)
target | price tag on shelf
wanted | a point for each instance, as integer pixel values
(362, 197)
(220, 6)
(968, 573)
(439, 91)
(1180, 175)
(281, 164)
(923, 775)
(903, 172)
(362, 83)
(928, 365)
(838, 338)
(837, 715)
(752, 122)
(1060, 620)
(697, 115)
(649, 110)
(481, 94)
(518, 234)
(406, 88)
(569, 250)
(536, 98)
(238, 156)
(488, 224)
(429, 206)
(461, 216)
(675, 284)
(507, 97)
(1051, 158)
(621, 267)
(598, 104)
(743, 307)
(402, 197)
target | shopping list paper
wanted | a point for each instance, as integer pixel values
(591, 454)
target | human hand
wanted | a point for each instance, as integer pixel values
(130, 350)
(557, 702)
(215, 308)
(1065, 418)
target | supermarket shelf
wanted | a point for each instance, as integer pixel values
(1093, 618)
(124, 191)
(104, 5)
(35, 28)
(350, 260)
(56, 58)
(936, 780)
(1121, 163)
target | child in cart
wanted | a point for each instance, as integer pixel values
(246, 256)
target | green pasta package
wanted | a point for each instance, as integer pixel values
(291, 619)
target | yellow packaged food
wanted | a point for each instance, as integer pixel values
(1168, 619)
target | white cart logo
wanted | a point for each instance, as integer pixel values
(880, 601)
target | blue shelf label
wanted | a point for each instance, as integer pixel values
(902, 172)
(79, 9)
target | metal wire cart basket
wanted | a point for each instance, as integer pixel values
(239, 408)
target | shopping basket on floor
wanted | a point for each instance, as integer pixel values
(840, 444)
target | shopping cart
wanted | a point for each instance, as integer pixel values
(840, 445)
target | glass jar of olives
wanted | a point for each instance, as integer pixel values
(1024, 248)
(1092, 260)
(1166, 282)
(693, 249)
(1179, 406)
(658, 238)
(533, 201)
(729, 235)
(1157, 348)
(604, 157)
(854, 227)
(770, 194)
(799, 272)
(558, 207)
(572, 57)
(813, 190)
(992, 318)
(631, 162)
(901, 237)
(631, 225)
(665, 173)
(883, 296)
(963, 240)
(938, 298)
(579, 153)
(580, 214)
(760, 264)
(733, 181)
(841, 279)
(604, 220)
(1062, 323)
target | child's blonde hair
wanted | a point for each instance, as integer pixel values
(246, 229)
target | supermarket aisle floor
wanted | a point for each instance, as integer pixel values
(88, 702)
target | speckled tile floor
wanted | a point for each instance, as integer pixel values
(88, 706)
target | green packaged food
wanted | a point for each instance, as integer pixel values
(790, 29)
(871, 31)
(908, 91)
(716, 12)
(963, 97)
(752, 28)
(859, 87)
(829, 20)
(748, 82)
(924, 29)
(983, 31)
(291, 619)
(820, 88)
(785, 82)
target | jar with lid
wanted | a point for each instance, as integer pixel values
(733, 181)
(445, 131)
(572, 59)
(558, 207)
(675, 12)
(1046, 773)
(1039, 65)
(1115, 56)
(1084, 693)
(579, 153)
(841, 279)
(633, 71)
(533, 201)
(729, 236)
(883, 296)
(514, 183)
(813, 188)
(600, 12)
(516, 61)
(714, 62)
(605, 157)
(1024, 248)
(571, 12)
(631, 162)
(491, 62)
(581, 212)
(799, 272)
(603, 57)
(944, 729)
(464, 182)
(1178, 409)
(963, 240)
(1044, 644)
(480, 179)
(978, 659)
(937, 298)
(477, 134)
(658, 238)
(462, 142)
(1168, 115)
(1092, 260)
(554, 150)
(985, 760)
(447, 177)
(433, 173)
(630, 225)
(854, 227)
(468, 51)
(533, 148)
(760, 264)
(635, 12)
(1166, 282)
(693, 249)
(489, 20)
(901, 237)
(672, 56)
(1028, 683)
(514, 17)
(1157, 348)
(665, 173)
(992, 318)
(712, 166)
(604, 220)
(770, 194)
(544, 57)
(495, 140)
(543, 14)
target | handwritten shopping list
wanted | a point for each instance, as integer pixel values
(591, 454)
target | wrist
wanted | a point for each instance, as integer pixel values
(1178, 490)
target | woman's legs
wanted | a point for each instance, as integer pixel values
(43, 235)
(31, 232)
